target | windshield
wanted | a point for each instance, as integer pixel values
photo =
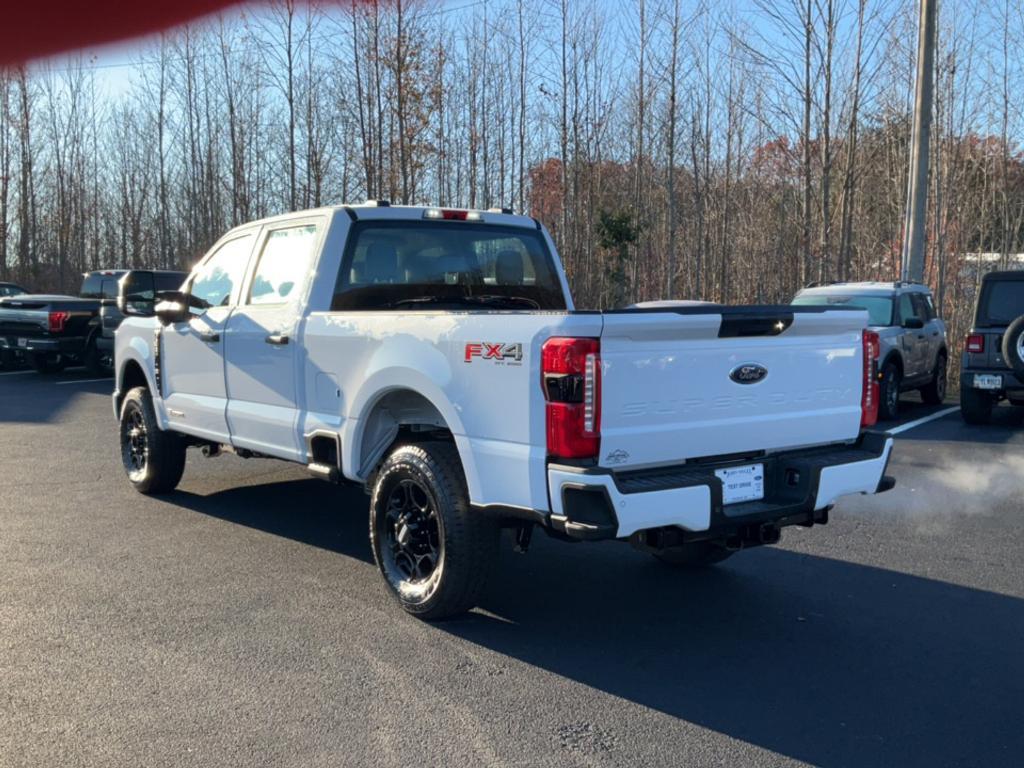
(426, 265)
(879, 307)
(1002, 302)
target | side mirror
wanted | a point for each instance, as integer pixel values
(171, 307)
(913, 323)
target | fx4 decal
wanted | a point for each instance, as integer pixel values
(500, 352)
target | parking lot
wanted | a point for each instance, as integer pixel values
(241, 621)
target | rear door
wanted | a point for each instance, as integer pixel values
(192, 352)
(262, 345)
(684, 385)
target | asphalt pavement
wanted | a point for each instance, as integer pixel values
(240, 621)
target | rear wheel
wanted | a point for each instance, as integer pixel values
(98, 362)
(696, 555)
(975, 406)
(434, 551)
(889, 402)
(48, 362)
(934, 392)
(153, 459)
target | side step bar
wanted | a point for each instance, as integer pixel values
(324, 472)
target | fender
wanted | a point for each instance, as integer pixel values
(137, 350)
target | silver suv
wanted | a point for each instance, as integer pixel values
(914, 351)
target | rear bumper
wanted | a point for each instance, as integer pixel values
(800, 486)
(69, 346)
(1011, 380)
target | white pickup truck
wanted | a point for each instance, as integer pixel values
(435, 357)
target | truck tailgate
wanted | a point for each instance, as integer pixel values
(685, 384)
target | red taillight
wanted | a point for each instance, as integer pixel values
(975, 343)
(57, 321)
(870, 394)
(570, 377)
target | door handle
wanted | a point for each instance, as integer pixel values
(920, 336)
(210, 337)
(280, 339)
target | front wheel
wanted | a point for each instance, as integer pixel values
(98, 362)
(889, 402)
(153, 459)
(975, 406)
(48, 362)
(934, 392)
(434, 551)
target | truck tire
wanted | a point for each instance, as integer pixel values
(97, 363)
(1013, 346)
(434, 551)
(889, 392)
(48, 362)
(696, 555)
(153, 459)
(934, 392)
(975, 406)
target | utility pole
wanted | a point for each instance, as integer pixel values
(917, 182)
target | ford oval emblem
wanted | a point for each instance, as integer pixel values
(748, 373)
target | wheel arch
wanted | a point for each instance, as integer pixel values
(893, 356)
(390, 411)
(133, 363)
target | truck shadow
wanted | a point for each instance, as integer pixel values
(829, 662)
(309, 511)
(821, 660)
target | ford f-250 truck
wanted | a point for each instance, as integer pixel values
(435, 357)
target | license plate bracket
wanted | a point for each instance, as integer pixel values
(739, 484)
(22, 343)
(988, 381)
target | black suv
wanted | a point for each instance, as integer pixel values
(993, 359)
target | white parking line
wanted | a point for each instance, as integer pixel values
(923, 420)
(81, 381)
(15, 373)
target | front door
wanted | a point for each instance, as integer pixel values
(192, 351)
(263, 348)
(914, 345)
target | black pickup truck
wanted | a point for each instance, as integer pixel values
(993, 359)
(51, 332)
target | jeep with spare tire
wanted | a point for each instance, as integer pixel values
(993, 357)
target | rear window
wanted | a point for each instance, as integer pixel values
(100, 286)
(410, 264)
(879, 307)
(1002, 302)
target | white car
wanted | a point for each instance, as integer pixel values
(435, 357)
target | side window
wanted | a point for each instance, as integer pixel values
(925, 307)
(216, 278)
(170, 281)
(906, 308)
(920, 308)
(283, 265)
